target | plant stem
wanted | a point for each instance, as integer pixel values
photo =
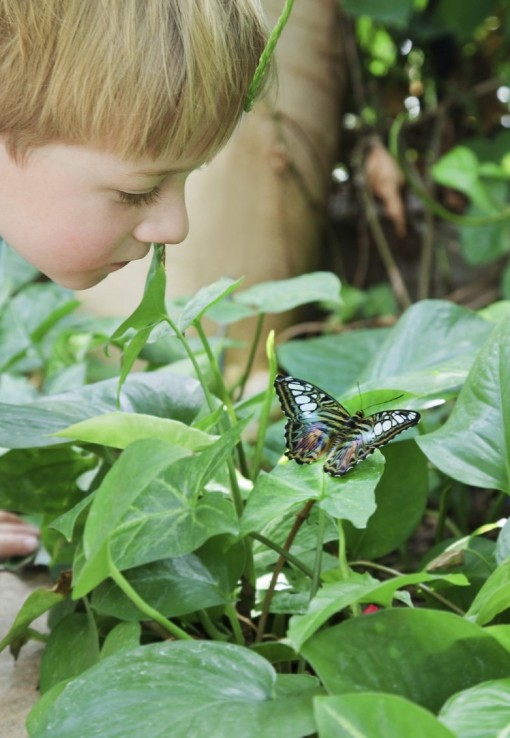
(343, 565)
(266, 407)
(231, 614)
(35, 635)
(224, 395)
(321, 519)
(280, 550)
(342, 551)
(383, 247)
(234, 485)
(300, 519)
(218, 378)
(441, 515)
(140, 603)
(448, 523)
(180, 336)
(237, 499)
(428, 590)
(212, 631)
(496, 509)
(436, 207)
(258, 77)
(241, 382)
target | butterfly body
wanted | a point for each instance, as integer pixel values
(319, 426)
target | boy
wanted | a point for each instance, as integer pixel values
(105, 107)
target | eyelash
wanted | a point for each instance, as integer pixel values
(141, 198)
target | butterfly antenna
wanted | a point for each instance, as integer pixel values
(392, 399)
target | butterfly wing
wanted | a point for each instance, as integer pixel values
(368, 434)
(345, 454)
(380, 428)
(314, 418)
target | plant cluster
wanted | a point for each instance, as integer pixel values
(207, 586)
(422, 182)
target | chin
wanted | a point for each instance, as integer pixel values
(79, 283)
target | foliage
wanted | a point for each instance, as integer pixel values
(428, 91)
(217, 588)
(204, 584)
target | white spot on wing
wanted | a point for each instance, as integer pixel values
(302, 399)
(309, 407)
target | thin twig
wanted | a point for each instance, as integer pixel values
(394, 573)
(300, 519)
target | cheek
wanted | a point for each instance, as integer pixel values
(82, 238)
(60, 245)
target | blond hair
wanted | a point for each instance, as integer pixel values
(139, 77)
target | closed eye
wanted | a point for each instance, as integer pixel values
(140, 198)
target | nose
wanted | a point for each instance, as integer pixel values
(164, 222)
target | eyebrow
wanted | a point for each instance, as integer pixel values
(156, 172)
(164, 172)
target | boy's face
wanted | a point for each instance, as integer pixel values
(78, 213)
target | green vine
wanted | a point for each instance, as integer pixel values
(265, 57)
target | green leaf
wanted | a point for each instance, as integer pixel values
(160, 513)
(182, 689)
(289, 486)
(71, 649)
(151, 309)
(161, 393)
(141, 463)
(430, 350)
(398, 650)
(352, 497)
(27, 317)
(493, 597)
(503, 543)
(15, 389)
(459, 168)
(130, 352)
(227, 312)
(461, 19)
(123, 637)
(333, 362)
(286, 294)
(121, 429)
(147, 315)
(15, 272)
(505, 282)
(375, 714)
(335, 596)
(401, 498)
(479, 712)
(474, 444)
(179, 585)
(35, 481)
(484, 244)
(37, 603)
(206, 298)
(501, 633)
(275, 651)
(388, 14)
(66, 522)
(496, 311)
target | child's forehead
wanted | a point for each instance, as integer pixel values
(101, 161)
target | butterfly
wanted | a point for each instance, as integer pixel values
(319, 426)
